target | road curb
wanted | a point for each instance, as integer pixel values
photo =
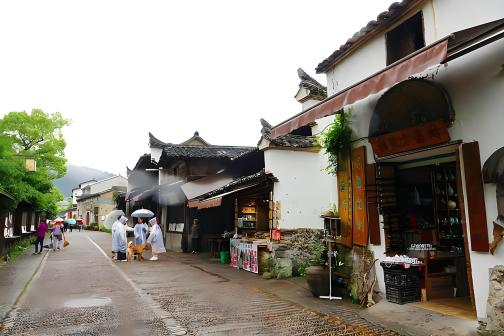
(19, 296)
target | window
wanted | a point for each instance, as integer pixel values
(405, 39)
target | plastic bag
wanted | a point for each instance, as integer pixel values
(283, 268)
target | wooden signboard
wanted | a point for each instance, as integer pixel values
(429, 134)
(360, 222)
(345, 200)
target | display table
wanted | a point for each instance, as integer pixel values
(244, 253)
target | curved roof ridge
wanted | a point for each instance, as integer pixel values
(155, 142)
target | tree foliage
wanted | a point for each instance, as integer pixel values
(38, 135)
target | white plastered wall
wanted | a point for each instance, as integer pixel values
(304, 189)
(475, 83)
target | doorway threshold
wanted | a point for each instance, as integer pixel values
(456, 307)
(414, 320)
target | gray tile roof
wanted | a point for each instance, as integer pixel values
(185, 151)
(197, 147)
(384, 19)
(239, 182)
(307, 82)
(287, 140)
(155, 142)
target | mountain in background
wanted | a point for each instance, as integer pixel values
(77, 174)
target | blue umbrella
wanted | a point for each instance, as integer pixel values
(71, 221)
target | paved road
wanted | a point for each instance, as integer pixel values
(80, 291)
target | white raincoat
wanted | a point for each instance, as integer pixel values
(119, 240)
(141, 233)
(156, 237)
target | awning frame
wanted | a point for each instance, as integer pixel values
(440, 52)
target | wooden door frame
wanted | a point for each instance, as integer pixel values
(463, 219)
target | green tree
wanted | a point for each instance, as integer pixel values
(38, 135)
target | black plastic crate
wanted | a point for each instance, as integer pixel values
(397, 275)
(402, 295)
(401, 279)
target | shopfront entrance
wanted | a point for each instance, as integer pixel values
(424, 218)
(423, 180)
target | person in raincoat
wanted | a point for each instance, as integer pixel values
(141, 229)
(119, 240)
(156, 239)
(115, 246)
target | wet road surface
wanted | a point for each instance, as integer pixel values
(80, 291)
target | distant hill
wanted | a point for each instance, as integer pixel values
(77, 174)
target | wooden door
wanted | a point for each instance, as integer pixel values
(469, 168)
(345, 199)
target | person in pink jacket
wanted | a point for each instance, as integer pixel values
(41, 231)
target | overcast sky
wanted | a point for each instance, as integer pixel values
(119, 69)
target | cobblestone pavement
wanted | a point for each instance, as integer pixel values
(160, 298)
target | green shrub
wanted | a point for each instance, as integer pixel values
(16, 249)
(301, 269)
(104, 229)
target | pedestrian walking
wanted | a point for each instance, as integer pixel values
(65, 226)
(119, 239)
(80, 223)
(57, 232)
(195, 234)
(156, 239)
(41, 231)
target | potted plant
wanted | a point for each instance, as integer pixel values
(336, 140)
(317, 275)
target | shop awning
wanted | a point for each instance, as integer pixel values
(444, 50)
(204, 185)
(215, 201)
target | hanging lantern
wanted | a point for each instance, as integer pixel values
(30, 164)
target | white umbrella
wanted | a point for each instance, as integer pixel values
(142, 213)
(58, 219)
(112, 217)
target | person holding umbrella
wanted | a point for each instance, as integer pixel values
(156, 239)
(57, 232)
(141, 228)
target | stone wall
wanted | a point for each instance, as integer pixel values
(297, 245)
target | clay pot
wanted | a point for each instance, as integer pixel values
(317, 278)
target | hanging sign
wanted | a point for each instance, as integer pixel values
(429, 134)
(360, 222)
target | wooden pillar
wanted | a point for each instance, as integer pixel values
(18, 222)
(3, 248)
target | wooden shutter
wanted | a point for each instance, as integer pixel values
(345, 199)
(372, 205)
(475, 197)
(360, 222)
